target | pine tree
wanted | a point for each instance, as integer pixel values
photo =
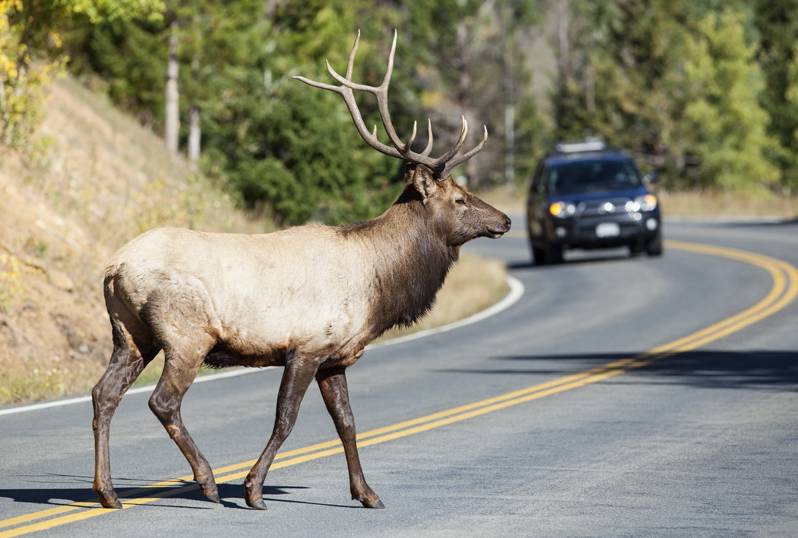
(777, 23)
(790, 158)
(616, 62)
(724, 126)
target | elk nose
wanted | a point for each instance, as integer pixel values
(507, 223)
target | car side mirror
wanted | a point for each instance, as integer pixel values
(651, 178)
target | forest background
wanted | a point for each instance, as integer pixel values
(704, 92)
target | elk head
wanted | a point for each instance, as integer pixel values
(460, 215)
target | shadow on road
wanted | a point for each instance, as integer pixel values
(762, 224)
(528, 265)
(231, 494)
(755, 369)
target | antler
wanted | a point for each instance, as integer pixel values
(441, 165)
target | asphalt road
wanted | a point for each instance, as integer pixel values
(701, 443)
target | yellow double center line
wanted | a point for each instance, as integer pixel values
(783, 291)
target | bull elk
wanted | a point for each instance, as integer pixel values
(308, 298)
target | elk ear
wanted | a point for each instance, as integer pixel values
(423, 181)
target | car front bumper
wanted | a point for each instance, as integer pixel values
(584, 232)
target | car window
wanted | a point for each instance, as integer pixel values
(535, 187)
(591, 176)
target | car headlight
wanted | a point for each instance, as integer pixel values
(647, 202)
(562, 209)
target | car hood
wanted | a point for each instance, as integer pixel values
(603, 195)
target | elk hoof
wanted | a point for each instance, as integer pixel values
(377, 503)
(110, 501)
(257, 504)
(211, 492)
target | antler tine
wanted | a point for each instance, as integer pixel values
(315, 84)
(386, 80)
(412, 138)
(351, 61)
(459, 144)
(382, 100)
(348, 83)
(428, 147)
(467, 155)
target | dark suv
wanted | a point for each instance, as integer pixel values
(585, 195)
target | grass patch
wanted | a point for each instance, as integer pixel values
(508, 198)
(697, 204)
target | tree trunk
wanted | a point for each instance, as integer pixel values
(464, 91)
(563, 58)
(508, 89)
(194, 127)
(509, 143)
(194, 136)
(172, 112)
(590, 88)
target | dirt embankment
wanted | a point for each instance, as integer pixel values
(94, 180)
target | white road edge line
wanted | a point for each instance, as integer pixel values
(515, 293)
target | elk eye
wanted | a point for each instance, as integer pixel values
(460, 201)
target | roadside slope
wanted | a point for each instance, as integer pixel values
(95, 180)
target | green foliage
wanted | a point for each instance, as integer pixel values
(618, 79)
(132, 62)
(724, 126)
(676, 83)
(705, 91)
(112, 10)
(777, 24)
(31, 52)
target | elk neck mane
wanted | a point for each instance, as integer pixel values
(409, 256)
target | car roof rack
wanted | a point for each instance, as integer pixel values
(586, 145)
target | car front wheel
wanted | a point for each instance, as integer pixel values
(654, 245)
(547, 254)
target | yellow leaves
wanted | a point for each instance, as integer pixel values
(55, 39)
(431, 98)
(8, 5)
(22, 81)
(108, 10)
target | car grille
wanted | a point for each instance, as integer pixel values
(611, 206)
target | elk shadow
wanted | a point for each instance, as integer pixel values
(716, 369)
(232, 495)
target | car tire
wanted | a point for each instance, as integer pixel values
(654, 245)
(554, 254)
(538, 255)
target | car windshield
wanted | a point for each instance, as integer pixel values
(592, 176)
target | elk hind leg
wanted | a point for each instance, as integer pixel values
(179, 372)
(127, 361)
(335, 392)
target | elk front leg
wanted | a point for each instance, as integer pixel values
(336, 397)
(298, 374)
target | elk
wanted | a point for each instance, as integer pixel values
(308, 298)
